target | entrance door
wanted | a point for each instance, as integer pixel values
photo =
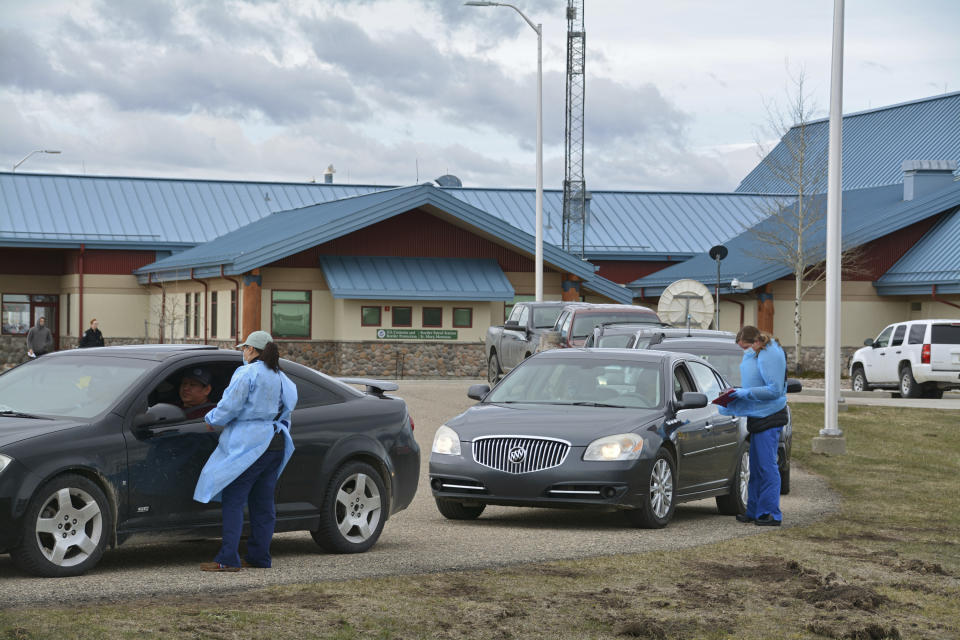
(46, 306)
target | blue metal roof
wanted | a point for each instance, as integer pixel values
(416, 278)
(868, 214)
(875, 143)
(934, 261)
(288, 232)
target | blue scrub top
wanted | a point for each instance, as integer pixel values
(248, 409)
(763, 380)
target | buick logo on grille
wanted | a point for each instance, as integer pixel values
(516, 455)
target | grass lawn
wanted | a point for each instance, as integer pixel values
(886, 566)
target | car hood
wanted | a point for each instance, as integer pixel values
(16, 429)
(577, 425)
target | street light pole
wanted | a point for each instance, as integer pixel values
(538, 28)
(27, 157)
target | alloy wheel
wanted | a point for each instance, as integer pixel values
(359, 508)
(661, 488)
(744, 479)
(69, 527)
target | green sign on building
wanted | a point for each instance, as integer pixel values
(417, 334)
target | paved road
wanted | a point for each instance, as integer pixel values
(418, 540)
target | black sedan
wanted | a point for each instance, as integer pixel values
(94, 451)
(594, 428)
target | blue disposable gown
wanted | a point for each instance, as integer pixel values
(763, 380)
(249, 409)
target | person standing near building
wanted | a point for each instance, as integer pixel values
(252, 451)
(92, 336)
(39, 339)
(763, 400)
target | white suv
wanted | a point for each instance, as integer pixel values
(919, 357)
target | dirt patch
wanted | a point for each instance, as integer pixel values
(834, 593)
(920, 566)
(872, 631)
(642, 628)
(766, 569)
(855, 537)
(553, 572)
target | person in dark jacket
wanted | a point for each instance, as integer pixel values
(763, 400)
(92, 336)
(39, 339)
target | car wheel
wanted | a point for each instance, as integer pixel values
(353, 511)
(66, 529)
(908, 386)
(493, 369)
(454, 510)
(658, 499)
(784, 466)
(859, 380)
(736, 501)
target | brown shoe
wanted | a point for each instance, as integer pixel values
(216, 566)
(247, 565)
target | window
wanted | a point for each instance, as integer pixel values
(917, 331)
(187, 320)
(290, 314)
(402, 317)
(463, 317)
(233, 314)
(213, 314)
(16, 314)
(196, 314)
(369, 316)
(945, 334)
(310, 394)
(705, 379)
(898, 335)
(884, 338)
(507, 308)
(432, 316)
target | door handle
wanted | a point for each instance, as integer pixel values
(708, 426)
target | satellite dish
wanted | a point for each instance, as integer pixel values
(686, 303)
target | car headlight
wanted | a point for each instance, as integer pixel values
(4, 461)
(446, 441)
(623, 446)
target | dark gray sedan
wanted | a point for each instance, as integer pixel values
(594, 428)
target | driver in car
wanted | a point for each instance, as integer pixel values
(195, 393)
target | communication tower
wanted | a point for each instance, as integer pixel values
(574, 186)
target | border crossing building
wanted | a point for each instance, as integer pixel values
(392, 281)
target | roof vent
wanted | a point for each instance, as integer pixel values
(449, 180)
(328, 175)
(923, 177)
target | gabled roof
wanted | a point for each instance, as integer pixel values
(875, 144)
(868, 214)
(361, 277)
(932, 262)
(288, 232)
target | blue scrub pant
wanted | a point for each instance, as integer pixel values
(763, 490)
(254, 487)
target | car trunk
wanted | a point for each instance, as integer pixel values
(945, 346)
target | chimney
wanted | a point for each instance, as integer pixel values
(923, 177)
(328, 175)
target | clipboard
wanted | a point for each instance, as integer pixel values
(724, 398)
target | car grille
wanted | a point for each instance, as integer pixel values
(514, 454)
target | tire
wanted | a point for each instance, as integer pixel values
(493, 369)
(736, 501)
(908, 386)
(858, 382)
(353, 511)
(66, 528)
(659, 498)
(784, 467)
(454, 510)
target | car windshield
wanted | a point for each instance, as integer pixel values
(614, 342)
(583, 324)
(74, 387)
(624, 384)
(546, 317)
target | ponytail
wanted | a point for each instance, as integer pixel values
(270, 356)
(749, 333)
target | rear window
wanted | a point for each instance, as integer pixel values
(945, 333)
(583, 324)
(916, 334)
(546, 317)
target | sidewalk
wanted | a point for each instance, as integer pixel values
(879, 398)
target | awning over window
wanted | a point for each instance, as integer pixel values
(416, 278)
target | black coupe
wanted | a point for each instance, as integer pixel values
(93, 451)
(594, 428)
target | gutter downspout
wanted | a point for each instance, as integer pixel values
(163, 302)
(933, 295)
(236, 314)
(80, 295)
(206, 315)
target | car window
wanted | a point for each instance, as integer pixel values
(546, 317)
(945, 333)
(565, 326)
(898, 335)
(616, 342)
(310, 394)
(76, 387)
(515, 313)
(916, 334)
(706, 380)
(682, 382)
(585, 322)
(524, 316)
(884, 338)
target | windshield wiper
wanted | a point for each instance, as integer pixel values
(11, 413)
(597, 404)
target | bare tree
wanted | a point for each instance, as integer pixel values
(792, 234)
(169, 311)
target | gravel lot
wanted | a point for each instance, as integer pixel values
(418, 540)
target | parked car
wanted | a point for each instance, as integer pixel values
(508, 345)
(613, 429)
(917, 358)
(716, 347)
(93, 451)
(575, 324)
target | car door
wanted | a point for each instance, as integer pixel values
(874, 359)
(724, 429)
(892, 354)
(514, 341)
(694, 439)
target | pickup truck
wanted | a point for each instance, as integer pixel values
(510, 344)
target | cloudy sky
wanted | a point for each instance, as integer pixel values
(396, 91)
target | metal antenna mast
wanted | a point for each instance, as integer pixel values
(574, 186)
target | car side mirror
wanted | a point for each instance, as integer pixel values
(478, 391)
(160, 413)
(794, 385)
(692, 400)
(513, 325)
(868, 342)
